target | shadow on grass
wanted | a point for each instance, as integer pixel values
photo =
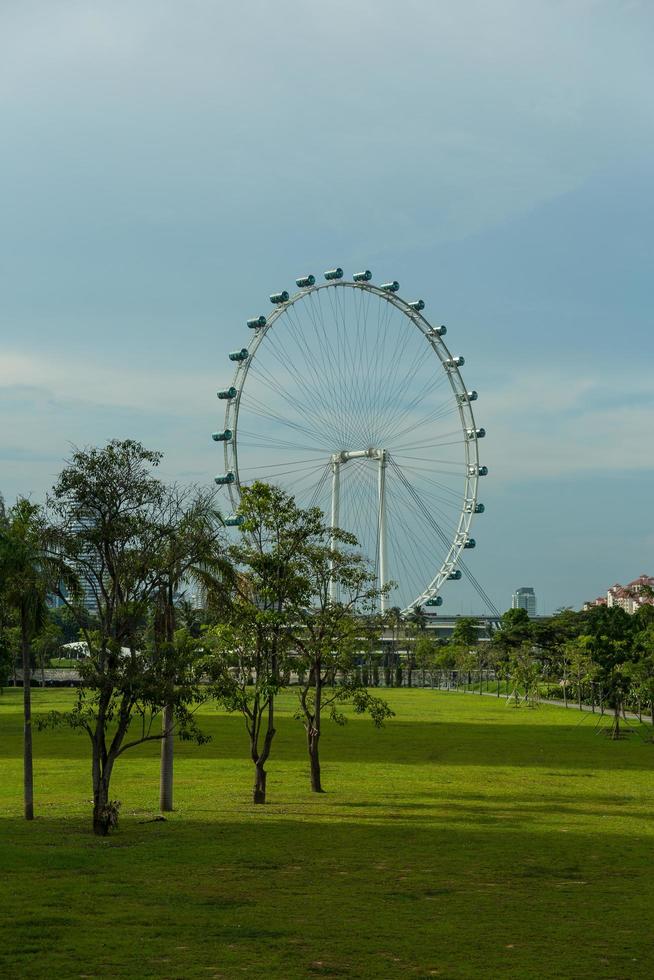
(556, 748)
(278, 893)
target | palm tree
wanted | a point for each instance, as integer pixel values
(25, 574)
(193, 553)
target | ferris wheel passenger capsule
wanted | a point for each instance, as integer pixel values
(479, 508)
(278, 298)
(417, 304)
(475, 433)
(224, 436)
(224, 478)
(334, 274)
(257, 321)
(455, 575)
(239, 355)
(234, 520)
(477, 471)
(453, 362)
(362, 276)
(227, 393)
(305, 281)
(435, 601)
(390, 287)
(470, 543)
(468, 396)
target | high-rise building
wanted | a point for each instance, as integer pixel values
(524, 598)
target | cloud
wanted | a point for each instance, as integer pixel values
(551, 423)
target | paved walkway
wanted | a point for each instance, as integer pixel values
(646, 719)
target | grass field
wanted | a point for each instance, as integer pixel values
(465, 839)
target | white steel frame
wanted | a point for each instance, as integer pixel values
(466, 416)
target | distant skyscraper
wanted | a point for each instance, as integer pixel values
(524, 598)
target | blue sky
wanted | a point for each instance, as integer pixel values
(167, 165)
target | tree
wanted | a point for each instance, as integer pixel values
(192, 549)
(425, 652)
(391, 655)
(579, 664)
(610, 640)
(251, 648)
(111, 523)
(26, 574)
(47, 644)
(525, 676)
(329, 634)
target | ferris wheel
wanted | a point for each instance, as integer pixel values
(348, 398)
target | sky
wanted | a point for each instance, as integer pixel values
(167, 165)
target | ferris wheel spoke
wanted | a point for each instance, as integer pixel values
(305, 404)
(254, 441)
(360, 317)
(330, 360)
(323, 426)
(346, 325)
(320, 487)
(314, 379)
(403, 384)
(397, 424)
(287, 423)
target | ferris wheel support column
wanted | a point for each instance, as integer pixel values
(336, 494)
(383, 599)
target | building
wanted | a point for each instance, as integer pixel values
(524, 598)
(629, 597)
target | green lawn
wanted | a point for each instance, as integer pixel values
(465, 839)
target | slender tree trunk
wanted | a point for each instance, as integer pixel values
(167, 756)
(313, 737)
(102, 817)
(259, 789)
(28, 775)
(615, 732)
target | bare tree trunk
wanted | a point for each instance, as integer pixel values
(103, 818)
(313, 737)
(259, 790)
(28, 775)
(167, 756)
(313, 734)
(615, 731)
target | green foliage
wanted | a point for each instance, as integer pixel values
(131, 539)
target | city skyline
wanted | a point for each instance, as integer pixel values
(150, 210)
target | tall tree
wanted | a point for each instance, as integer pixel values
(251, 648)
(193, 549)
(111, 522)
(330, 636)
(26, 575)
(610, 639)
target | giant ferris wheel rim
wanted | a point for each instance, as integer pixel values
(283, 302)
